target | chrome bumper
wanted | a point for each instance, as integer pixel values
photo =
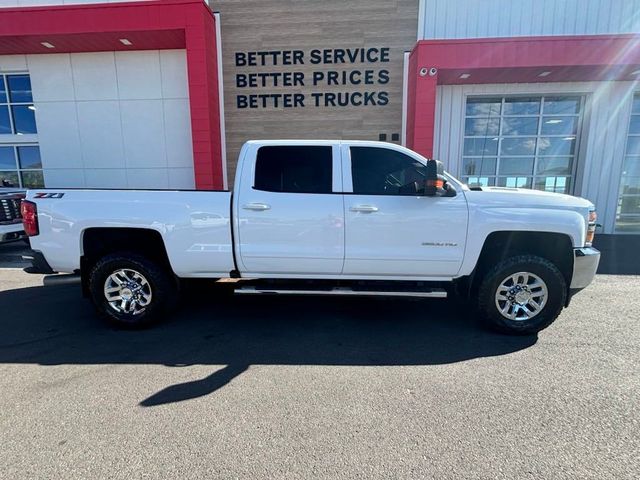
(585, 264)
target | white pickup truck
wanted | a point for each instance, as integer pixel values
(328, 217)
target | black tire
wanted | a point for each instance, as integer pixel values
(161, 282)
(545, 270)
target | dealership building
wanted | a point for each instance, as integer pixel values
(536, 94)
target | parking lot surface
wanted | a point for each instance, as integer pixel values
(297, 388)
(11, 254)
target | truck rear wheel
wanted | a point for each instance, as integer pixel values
(129, 290)
(522, 295)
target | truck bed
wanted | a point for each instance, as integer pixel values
(195, 225)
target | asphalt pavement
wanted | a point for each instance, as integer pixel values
(11, 254)
(295, 388)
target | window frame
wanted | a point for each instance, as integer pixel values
(9, 103)
(579, 134)
(349, 166)
(18, 168)
(619, 195)
(347, 179)
(335, 168)
(15, 140)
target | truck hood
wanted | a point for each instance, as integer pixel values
(504, 197)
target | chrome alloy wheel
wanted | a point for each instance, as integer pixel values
(521, 296)
(127, 291)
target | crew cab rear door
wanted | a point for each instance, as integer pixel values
(290, 210)
(391, 230)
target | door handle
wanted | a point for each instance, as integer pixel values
(256, 206)
(364, 208)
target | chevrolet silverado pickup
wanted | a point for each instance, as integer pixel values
(322, 218)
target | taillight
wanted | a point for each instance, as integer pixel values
(29, 212)
(591, 227)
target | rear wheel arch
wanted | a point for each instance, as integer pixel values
(96, 243)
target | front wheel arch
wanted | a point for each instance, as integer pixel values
(554, 247)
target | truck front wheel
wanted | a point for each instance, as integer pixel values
(522, 295)
(129, 290)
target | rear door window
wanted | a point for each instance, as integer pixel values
(294, 169)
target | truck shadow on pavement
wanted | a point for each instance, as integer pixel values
(54, 326)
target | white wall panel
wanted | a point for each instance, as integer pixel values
(602, 138)
(105, 178)
(64, 178)
(177, 133)
(51, 77)
(147, 178)
(508, 18)
(100, 134)
(35, 3)
(13, 63)
(181, 178)
(94, 76)
(143, 133)
(59, 147)
(113, 116)
(138, 75)
(173, 68)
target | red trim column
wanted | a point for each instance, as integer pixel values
(421, 108)
(202, 69)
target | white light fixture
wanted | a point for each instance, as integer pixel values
(553, 121)
(635, 72)
(465, 75)
(125, 41)
(544, 74)
(569, 138)
(31, 107)
(47, 44)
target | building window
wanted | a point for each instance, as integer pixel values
(17, 113)
(528, 142)
(20, 164)
(628, 211)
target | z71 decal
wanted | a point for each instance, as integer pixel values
(48, 195)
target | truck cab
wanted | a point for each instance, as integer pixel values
(345, 210)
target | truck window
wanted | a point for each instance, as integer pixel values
(381, 171)
(294, 169)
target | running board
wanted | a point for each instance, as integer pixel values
(433, 293)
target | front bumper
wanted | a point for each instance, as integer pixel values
(585, 264)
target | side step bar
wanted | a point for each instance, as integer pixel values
(433, 293)
(64, 279)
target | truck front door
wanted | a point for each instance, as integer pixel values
(289, 220)
(391, 229)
